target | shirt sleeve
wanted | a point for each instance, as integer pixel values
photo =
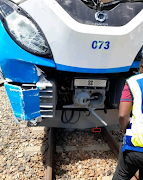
(126, 94)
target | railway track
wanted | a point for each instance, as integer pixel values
(50, 173)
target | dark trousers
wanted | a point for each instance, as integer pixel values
(129, 162)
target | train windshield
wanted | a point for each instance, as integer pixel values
(95, 4)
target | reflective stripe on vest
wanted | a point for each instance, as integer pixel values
(134, 134)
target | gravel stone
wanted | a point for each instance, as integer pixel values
(117, 132)
(4, 164)
(81, 164)
(109, 173)
(21, 169)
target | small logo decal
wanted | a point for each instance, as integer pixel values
(100, 16)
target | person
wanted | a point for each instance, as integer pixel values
(130, 158)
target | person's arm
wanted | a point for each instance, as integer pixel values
(126, 102)
(124, 114)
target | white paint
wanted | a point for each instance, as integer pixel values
(14, 90)
(7, 80)
(71, 42)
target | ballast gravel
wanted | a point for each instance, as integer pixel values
(117, 132)
(14, 139)
(79, 164)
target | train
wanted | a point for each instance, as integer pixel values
(64, 63)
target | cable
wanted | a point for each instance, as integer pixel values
(69, 120)
(64, 114)
(77, 119)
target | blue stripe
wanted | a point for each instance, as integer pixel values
(140, 82)
(127, 147)
(127, 140)
(90, 70)
(135, 64)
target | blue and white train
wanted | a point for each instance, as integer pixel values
(64, 62)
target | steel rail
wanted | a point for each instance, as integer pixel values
(112, 143)
(49, 158)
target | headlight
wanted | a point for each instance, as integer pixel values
(23, 29)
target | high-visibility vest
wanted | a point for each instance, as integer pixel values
(134, 133)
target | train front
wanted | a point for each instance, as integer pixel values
(64, 62)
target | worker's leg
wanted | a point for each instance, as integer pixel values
(125, 170)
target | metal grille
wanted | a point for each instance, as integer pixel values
(47, 101)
